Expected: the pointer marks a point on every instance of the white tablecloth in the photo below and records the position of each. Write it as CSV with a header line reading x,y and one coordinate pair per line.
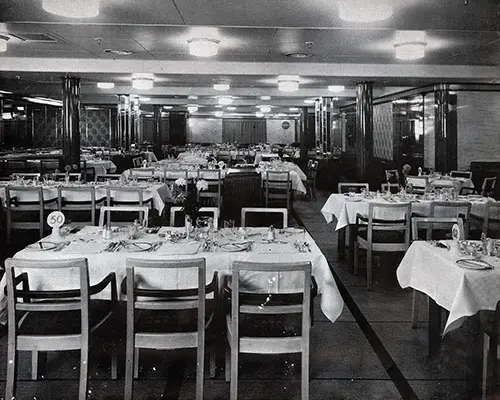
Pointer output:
x,y
88,243
172,173
463,292
445,181
345,208
102,167
158,192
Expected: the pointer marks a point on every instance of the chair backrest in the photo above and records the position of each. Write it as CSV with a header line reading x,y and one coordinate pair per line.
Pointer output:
x,y
390,187
346,187
49,165
312,169
26,197
83,199
107,177
74,297
214,181
142,172
264,210
26,175
214,211
134,194
392,176
272,288
461,174
73,176
137,161
430,224
278,180
488,186
171,175
452,209
419,184
389,217
491,218
143,213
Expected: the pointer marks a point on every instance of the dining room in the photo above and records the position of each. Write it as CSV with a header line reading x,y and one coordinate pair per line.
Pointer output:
x,y
222,200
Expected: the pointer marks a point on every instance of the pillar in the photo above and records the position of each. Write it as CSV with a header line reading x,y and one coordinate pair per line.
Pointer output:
x,y
123,122
364,129
323,121
303,132
445,131
71,120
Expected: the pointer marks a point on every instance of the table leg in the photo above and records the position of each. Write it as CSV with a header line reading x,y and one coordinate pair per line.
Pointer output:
x,y
352,238
474,350
434,327
341,243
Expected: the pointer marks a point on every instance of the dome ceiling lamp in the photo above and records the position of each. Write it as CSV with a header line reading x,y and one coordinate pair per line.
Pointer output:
x,y
410,45
265,108
72,8
225,100
288,83
192,108
143,81
364,10
3,43
203,46
336,88
105,85
221,87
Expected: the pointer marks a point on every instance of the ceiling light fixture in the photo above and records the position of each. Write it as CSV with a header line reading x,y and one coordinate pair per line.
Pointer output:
x,y
225,100
44,100
259,114
105,85
309,101
288,83
167,107
142,81
336,88
221,86
72,8
364,10
192,108
265,97
3,43
410,45
231,108
144,98
203,47
192,97
219,114
265,109
294,109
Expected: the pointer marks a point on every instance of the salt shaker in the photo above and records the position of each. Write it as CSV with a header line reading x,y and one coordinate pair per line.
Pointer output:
x,y
271,234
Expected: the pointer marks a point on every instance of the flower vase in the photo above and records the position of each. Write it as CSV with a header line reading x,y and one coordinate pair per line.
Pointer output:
x,y
189,226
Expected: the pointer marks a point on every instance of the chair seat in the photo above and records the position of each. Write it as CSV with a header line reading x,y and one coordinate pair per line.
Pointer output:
x,y
264,326
63,322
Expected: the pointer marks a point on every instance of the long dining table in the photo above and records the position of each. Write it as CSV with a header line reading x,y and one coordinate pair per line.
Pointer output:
x,y
248,244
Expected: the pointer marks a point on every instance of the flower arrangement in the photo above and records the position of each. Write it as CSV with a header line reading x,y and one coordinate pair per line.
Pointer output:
x,y
188,198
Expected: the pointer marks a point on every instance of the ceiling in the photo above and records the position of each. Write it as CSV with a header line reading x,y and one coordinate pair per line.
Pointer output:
x,y
462,36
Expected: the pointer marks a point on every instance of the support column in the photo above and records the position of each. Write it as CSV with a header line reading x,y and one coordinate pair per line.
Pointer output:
x,y
304,130
71,120
364,129
123,122
323,118
446,131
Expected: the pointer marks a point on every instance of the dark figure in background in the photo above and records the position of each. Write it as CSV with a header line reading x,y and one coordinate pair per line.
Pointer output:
x,y
406,170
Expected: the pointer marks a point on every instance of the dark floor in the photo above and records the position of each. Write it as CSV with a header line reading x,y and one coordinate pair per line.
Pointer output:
x,y
370,352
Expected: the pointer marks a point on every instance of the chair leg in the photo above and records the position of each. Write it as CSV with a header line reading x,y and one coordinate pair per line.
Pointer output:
x,y
200,367
212,362
414,309
129,369
369,262
234,374
227,363
136,363
356,256
114,364
84,371
10,384
305,374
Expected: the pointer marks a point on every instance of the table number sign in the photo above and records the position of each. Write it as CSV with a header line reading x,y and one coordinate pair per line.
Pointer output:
x,y
55,220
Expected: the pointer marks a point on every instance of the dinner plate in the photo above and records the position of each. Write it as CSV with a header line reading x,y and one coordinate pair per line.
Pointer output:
x,y
234,247
137,246
354,199
42,246
474,264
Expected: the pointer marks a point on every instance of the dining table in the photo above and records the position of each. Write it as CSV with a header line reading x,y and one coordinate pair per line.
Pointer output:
x,y
461,283
445,181
219,248
297,176
343,207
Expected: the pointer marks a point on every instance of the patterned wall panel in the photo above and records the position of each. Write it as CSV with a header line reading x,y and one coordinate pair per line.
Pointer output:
x,y
429,131
47,127
478,121
204,130
277,134
95,127
383,136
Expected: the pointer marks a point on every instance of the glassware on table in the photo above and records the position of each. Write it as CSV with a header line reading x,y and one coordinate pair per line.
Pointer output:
x,y
229,223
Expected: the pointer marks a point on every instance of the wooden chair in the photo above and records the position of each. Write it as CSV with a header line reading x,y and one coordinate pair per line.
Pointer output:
x,y
390,187
461,174
392,176
312,172
81,198
214,211
386,228
270,302
452,209
48,165
419,184
170,176
28,329
213,195
146,303
73,177
107,177
137,162
430,226
488,186
142,212
346,187
489,221
277,188
88,173
127,195
266,211
25,208
34,176
143,174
